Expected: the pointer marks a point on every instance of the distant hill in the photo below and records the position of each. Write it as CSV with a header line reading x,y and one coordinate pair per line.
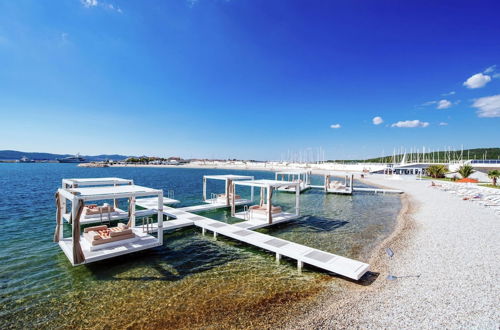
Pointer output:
x,y
479,153
14,155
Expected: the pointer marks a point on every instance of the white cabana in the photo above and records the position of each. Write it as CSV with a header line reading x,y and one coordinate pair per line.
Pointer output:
x,y
338,187
265,213
303,177
226,198
75,183
101,242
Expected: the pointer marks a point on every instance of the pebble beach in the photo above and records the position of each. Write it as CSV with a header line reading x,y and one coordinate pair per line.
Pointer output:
x,y
446,263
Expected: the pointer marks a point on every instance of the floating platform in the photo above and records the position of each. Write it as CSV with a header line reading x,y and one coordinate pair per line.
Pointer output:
x,y
377,190
257,220
142,242
152,202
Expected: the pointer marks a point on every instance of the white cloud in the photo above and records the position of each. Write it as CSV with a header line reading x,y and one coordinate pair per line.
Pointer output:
x,y
477,81
444,104
377,120
490,69
488,107
496,75
95,3
335,126
89,3
410,123
443,124
448,94
429,103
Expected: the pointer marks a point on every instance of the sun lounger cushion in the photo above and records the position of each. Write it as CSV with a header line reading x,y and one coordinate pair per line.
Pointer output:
x,y
115,233
122,226
95,228
112,239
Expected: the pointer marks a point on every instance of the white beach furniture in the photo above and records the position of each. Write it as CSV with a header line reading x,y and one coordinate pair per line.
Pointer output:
x,y
303,177
77,249
265,213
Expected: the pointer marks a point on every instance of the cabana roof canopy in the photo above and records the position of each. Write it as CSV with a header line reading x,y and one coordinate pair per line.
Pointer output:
x,y
228,177
95,191
96,181
266,183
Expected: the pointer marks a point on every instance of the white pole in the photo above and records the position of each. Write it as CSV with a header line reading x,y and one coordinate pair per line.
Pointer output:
x,y
160,217
132,213
204,188
297,200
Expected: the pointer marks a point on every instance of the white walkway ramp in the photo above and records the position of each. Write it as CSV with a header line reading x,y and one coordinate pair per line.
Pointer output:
x,y
242,232
213,205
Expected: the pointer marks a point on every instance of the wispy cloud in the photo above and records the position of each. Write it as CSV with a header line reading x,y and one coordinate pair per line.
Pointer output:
x,y
64,37
444,104
335,126
443,124
490,69
377,120
89,3
477,81
105,5
488,107
449,94
410,124
425,104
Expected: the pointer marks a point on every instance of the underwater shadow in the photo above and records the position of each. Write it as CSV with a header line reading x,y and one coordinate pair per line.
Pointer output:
x,y
310,224
178,258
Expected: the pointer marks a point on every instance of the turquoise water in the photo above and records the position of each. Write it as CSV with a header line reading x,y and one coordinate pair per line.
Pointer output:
x,y
39,287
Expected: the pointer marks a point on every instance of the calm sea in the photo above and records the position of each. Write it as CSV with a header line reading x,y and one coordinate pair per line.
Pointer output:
x,y
191,281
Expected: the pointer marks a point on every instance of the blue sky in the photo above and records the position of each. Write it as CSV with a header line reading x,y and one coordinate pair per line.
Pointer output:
x,y
248,79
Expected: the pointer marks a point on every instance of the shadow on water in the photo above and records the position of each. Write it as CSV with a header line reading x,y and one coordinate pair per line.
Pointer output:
x,y
182,254
308,224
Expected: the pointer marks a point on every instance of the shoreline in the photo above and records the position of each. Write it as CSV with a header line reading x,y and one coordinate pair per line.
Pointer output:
x,y
313,316
436,262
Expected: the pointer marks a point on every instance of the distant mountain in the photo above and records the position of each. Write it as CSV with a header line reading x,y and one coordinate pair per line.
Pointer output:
x,y
14,155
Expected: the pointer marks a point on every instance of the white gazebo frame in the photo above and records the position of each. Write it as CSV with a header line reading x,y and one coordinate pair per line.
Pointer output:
x,y
88,194
303,177
268,219
346,189
228,179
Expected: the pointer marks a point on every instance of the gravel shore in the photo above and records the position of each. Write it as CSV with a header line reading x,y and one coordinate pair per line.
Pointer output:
x,y
452,244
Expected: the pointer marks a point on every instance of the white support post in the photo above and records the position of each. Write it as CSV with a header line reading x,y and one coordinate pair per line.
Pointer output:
x,y
203,230
252,193
74,207
160,217
269,205
300,265
204,189
132,213
215,235
297,201
278,258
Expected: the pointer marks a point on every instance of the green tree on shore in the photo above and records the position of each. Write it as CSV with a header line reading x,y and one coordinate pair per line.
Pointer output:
x,y
494,175
437,171
465,171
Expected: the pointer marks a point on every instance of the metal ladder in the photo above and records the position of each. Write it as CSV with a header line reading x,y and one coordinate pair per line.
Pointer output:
x,y
246,212
146,222
171,194
213,198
